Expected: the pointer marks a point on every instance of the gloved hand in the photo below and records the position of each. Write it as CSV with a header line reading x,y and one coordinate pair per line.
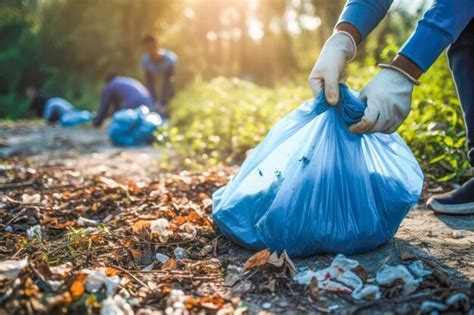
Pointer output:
x,y
338,50
388,98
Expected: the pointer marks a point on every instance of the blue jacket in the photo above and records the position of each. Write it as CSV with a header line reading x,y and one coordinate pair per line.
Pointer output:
x,y
123,92
153,69
440,26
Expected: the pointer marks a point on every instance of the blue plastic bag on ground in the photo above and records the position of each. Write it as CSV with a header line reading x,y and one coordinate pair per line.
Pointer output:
x,y
75,118
133,127
314,187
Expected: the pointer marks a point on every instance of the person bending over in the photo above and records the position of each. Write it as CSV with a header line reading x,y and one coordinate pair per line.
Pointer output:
x,y
122,92
50,108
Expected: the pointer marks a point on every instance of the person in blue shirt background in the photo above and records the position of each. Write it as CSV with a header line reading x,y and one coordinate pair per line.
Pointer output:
x,y
42,105
158,62
448,23
122,92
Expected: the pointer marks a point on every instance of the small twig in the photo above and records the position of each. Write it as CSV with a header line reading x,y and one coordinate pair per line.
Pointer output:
x,y
16,216
402,299
39,206
345,298
16,185
131,275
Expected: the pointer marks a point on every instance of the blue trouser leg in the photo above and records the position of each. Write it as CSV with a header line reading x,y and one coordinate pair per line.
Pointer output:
x,y
461,62
167,90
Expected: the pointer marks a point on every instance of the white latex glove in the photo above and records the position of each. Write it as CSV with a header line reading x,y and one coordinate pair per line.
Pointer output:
x,y
329,69
388,98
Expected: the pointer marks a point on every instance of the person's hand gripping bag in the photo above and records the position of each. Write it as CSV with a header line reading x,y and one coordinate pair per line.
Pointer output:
x,y
314,187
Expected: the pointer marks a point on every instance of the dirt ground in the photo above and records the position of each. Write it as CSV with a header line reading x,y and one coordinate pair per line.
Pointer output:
x,y
443,242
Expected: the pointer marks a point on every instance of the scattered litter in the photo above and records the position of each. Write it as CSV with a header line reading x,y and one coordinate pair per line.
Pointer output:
x,y
97,279
180,253
162,258
148,267
54,284
368,292
160,226
458,234
431,306
87,222
459,302
189,229
267,305
116,306
9,269
390,274
175,302
338,277
9,229
31,199
418,269
34,232
94,281
333,307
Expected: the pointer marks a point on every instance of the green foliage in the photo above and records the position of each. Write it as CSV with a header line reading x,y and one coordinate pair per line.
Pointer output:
x,y
217,122
435,128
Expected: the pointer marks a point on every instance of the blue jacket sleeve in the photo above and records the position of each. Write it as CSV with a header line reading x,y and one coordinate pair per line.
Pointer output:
x,y
441,26
105,101
364,15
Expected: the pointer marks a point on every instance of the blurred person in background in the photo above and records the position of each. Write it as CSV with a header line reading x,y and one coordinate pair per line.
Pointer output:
x,y
122,92
42,105
159,63
448,23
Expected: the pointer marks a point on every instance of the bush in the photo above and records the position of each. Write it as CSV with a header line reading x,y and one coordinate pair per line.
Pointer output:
x,y
217,122
434,130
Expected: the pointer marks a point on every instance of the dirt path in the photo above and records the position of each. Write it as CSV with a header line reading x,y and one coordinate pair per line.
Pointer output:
x,y
446,242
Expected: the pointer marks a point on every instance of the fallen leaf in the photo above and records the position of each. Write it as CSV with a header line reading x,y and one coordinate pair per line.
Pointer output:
x,y
78,286
276,260
361,272
140,225
203,196
136,254
257,260
290,264
111,271
406,255
169,264
313,289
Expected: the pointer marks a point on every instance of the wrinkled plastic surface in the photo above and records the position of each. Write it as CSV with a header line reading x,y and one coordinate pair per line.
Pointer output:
x,y
133,127
339,277
75,118
314,187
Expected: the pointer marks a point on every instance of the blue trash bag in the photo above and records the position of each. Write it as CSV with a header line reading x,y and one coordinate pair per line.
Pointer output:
x,y
133,127
75,118
314,187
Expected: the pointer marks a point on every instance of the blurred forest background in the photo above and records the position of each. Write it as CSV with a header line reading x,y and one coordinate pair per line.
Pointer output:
x,y
243,64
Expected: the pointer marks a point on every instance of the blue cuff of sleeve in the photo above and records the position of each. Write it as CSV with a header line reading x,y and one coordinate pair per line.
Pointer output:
x,y
425,45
